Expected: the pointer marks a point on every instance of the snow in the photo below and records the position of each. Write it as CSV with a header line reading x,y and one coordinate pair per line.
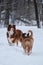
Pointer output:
x,y
13,55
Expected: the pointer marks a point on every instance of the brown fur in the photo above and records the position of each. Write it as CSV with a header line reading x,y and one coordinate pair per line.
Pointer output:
x,y
17,34
25,39
27,43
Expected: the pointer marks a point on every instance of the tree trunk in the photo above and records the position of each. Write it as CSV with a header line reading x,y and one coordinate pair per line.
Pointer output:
x,y
36,13
7,17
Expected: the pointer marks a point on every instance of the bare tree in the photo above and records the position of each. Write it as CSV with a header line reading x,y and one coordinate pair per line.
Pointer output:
x,y
7,9
36,13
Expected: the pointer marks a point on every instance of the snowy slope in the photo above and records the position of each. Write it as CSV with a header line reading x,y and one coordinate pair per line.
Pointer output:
x,y
12,55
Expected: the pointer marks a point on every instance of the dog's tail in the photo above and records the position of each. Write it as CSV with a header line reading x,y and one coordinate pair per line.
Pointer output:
x,y
30,33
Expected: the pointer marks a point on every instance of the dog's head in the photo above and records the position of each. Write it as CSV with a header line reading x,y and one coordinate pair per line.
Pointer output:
x,y
11,29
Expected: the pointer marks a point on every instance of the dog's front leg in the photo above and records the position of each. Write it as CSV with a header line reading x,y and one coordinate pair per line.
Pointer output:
x,y
17,42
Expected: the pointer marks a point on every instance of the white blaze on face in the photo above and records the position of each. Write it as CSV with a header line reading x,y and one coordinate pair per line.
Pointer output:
x,y
11,32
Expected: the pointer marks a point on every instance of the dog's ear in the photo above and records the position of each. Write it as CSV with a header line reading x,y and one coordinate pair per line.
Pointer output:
x,y
9,26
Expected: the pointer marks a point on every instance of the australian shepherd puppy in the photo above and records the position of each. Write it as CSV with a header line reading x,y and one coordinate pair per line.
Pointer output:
x,y
13,34
27,42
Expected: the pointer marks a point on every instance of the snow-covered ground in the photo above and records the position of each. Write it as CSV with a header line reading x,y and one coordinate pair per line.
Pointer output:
x,y
12,55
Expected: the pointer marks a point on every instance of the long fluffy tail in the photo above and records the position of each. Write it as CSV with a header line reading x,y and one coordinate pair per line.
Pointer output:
x,y
30,33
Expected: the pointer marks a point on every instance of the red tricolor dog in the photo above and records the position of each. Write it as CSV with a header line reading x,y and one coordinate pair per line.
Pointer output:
x,y
13,35
27,42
